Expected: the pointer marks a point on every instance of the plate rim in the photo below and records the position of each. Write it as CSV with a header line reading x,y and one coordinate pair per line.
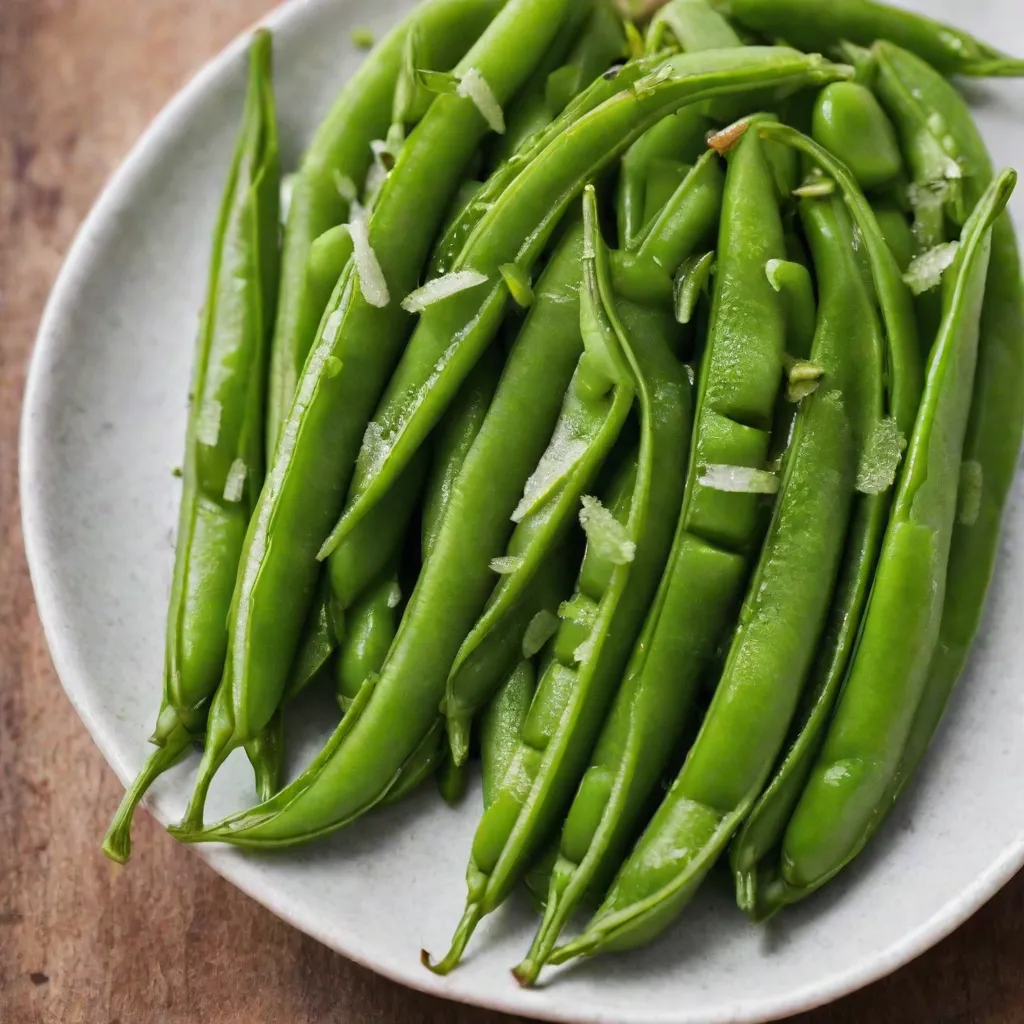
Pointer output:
x,y
102,218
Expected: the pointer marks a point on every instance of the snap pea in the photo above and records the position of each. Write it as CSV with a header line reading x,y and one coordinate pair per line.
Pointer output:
x,y
896,232
850,122
861,756
847,314
370,631
814,26
433,366
996,422
319,641
223,465
340,151
613,594
501,726
706,574
769,658
349,778
341,381
664,178
454,438
593,414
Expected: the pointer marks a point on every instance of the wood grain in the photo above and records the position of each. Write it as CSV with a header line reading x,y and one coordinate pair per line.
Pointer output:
x,y
166,941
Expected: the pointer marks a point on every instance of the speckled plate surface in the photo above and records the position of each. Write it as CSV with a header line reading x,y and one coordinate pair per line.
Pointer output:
x,y
103,427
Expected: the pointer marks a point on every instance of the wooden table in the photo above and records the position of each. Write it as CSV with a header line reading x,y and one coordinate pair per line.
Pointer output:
x,y
167,941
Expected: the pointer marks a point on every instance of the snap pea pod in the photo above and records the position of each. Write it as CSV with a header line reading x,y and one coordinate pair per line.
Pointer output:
x,y
342,380
769,658
433,366
847,312
994,429
363,760
555,315
340,151
613,593
454,438
821,27
903,355
868,734
223,465
370,631
594,412
501,726
599,91
705,576
585,50
665,177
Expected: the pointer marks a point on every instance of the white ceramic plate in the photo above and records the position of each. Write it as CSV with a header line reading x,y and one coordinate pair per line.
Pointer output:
x,y
103,427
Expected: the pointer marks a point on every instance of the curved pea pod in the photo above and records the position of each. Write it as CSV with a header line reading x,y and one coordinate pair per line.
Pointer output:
x,y
341,382
223,464
365,759
848,317
993,442
703,582
814,26
340,153
454,438
596,405
370,631
434,365
627,546
768,661
860,760
896,231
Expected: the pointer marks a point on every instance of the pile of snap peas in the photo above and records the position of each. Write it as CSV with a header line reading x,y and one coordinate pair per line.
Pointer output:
x,y
629,403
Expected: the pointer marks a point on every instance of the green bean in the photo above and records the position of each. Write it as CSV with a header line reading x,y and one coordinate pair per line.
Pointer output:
x,y
433,367
223,466
814,26
705,575
340,152
847,313
569,707
342,379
